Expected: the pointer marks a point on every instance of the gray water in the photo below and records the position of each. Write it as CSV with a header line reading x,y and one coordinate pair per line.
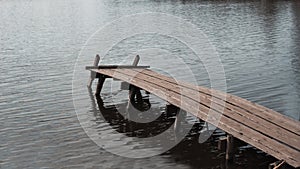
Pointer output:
x,y
40,40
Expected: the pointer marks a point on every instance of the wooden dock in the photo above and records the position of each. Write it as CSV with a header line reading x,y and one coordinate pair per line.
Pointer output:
x,y
263,128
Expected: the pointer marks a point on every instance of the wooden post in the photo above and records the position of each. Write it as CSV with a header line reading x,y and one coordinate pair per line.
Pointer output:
x,y
93,74
230,148
101,78
136,60
133,90
222,144
134,93
179,117
100,84
125,85
171,110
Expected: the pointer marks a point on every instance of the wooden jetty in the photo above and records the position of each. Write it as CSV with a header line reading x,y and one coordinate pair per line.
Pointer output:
x,y
263,128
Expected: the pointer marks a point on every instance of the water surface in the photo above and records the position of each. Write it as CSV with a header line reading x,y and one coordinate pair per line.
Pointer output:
x,y
257,41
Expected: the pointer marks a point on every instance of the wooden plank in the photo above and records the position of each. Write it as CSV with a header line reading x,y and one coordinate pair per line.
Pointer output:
x,y
280,133
258,110
228,125
279,147
244,117
116,67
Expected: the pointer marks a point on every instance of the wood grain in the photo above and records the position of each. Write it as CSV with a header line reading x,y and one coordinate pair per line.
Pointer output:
x,y
259,126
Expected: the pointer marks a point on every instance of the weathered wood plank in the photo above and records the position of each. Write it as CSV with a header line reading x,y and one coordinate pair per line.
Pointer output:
x,y
258,110
243,116
229,125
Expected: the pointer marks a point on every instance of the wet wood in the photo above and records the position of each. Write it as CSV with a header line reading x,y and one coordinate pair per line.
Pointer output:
x,y
230,148
116,67
255,109
171,110
261,127
222,144
135,92
245,117
101,81
136,60
93,74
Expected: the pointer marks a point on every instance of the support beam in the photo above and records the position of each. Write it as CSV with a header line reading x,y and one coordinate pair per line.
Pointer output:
x,y
136,60
125,85
171,110
116,67
222,144
180,116
100,84
133,90
135,63
93,74
230,148
137,91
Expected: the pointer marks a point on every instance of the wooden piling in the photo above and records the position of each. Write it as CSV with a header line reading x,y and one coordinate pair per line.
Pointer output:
x,y
133,90
101,77
230,148
171,110
136,60
93,74
222,144
180,116
100,84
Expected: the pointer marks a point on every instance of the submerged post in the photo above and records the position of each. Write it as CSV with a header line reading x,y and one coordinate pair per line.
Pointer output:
x,y
93,74
179,117
230,148
133,90
222,144
101,78
101,81
135,63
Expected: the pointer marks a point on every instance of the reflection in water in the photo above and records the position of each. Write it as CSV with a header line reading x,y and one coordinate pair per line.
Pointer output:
x,y
189,151
258,43
129,127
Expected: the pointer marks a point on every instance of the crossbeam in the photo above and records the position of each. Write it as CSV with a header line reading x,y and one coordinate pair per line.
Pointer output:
x,y
116,67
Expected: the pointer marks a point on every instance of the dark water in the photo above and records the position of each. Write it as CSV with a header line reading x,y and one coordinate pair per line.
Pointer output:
x,y
258,43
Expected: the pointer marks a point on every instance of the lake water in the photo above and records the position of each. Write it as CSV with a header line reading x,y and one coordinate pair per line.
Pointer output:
x,y
258,43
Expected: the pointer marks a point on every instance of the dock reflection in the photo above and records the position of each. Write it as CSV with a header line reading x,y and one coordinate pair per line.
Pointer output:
x,y
189,151
124,125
